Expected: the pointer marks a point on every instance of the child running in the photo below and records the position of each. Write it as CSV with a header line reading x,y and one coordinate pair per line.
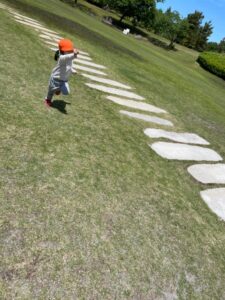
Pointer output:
x,y
60,74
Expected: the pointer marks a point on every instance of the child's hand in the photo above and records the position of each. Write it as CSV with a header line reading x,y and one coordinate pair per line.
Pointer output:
x,y
76,52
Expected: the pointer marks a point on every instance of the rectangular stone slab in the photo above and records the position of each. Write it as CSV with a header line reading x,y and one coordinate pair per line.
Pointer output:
x,y
45,36
208,173
40,28
106,81
114,91
28,21
215,199
25,18
147,118
176,151
89,64
89,70
136,105
183,137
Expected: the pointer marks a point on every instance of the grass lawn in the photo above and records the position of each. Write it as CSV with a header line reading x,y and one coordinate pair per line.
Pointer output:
x,y
87,210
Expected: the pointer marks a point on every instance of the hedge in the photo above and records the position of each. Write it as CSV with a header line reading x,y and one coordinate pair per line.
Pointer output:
x,y
213,62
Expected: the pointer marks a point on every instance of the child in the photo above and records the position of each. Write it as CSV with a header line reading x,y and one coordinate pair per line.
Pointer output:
x,y
60,74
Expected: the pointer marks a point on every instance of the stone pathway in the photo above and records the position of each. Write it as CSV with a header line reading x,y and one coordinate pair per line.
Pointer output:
x,y
208,173
180,150
147,118
176,151
180,137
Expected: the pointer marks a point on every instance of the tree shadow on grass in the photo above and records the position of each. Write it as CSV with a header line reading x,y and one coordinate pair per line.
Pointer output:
x,y
139,33
60,105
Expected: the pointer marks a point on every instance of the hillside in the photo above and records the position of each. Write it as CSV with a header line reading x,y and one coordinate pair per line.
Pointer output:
x,y
88,209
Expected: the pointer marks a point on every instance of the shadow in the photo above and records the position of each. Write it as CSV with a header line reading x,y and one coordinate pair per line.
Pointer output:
x,y
138,33
74,28
60,105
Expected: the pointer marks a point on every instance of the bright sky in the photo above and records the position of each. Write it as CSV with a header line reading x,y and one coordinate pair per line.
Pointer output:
x,y
213,10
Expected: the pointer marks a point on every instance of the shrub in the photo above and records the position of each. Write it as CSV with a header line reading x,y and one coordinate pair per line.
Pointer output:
x,y
213,62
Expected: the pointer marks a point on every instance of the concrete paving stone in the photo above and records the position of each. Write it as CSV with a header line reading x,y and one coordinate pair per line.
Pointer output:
x,y
188,138
114,91
208,173
84,53
84,57
136,104
53,49
27,21
47,37
39,28
55,44
147,118
215,199
176,151
52,35
25,18
106,81
89,64
86,69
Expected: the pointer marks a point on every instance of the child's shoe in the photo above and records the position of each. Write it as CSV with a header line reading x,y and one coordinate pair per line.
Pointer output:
x,y
48,102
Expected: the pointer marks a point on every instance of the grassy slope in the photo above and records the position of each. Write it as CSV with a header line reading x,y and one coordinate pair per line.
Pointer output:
x,y
88,210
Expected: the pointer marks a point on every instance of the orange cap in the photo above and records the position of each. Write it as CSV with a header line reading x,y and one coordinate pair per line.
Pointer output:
x,y
65,45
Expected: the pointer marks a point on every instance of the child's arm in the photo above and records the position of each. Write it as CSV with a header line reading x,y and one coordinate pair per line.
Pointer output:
x,y
69,56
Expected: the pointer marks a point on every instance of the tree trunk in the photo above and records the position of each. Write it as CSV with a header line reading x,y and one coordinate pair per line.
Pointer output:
x,y
122,17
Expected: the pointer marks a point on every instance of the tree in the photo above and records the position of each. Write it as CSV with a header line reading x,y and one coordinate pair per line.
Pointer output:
x,y
197,34
204,32
194,20
212,46
221,46
137,10
170,25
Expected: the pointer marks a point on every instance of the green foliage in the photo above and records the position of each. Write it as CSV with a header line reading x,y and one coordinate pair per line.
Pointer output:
x,y
216,47
140,11
213,62
197,34
170,25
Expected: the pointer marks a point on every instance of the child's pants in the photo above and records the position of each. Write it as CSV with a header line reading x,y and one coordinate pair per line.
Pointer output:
x,y
56,85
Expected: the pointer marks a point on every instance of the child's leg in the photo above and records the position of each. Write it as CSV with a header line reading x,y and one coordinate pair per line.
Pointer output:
x,y
65,89
54,86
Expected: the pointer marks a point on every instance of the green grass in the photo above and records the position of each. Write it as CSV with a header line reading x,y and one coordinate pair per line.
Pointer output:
x,y
88,211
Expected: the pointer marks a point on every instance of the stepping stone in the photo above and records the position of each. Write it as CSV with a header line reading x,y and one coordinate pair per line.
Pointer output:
x,y
136,105
37,27
147,118
86,69
176,151
3,6
25,18
91,64
114,91
53,49
47,37
84,53
55,44
106,81
188,138
52,35
27,21
215,199
28,24
208,173
84,57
